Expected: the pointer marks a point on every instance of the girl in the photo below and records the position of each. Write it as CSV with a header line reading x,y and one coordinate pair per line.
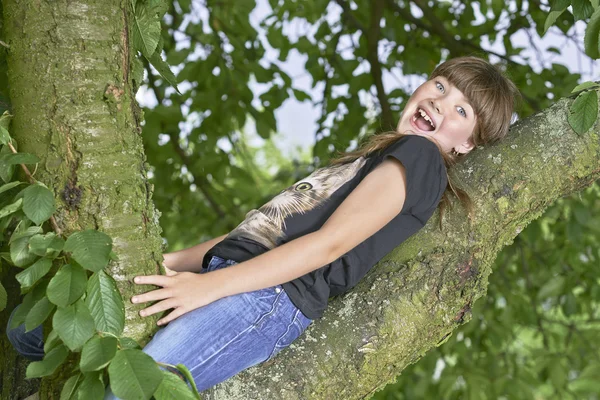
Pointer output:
x,y
241,298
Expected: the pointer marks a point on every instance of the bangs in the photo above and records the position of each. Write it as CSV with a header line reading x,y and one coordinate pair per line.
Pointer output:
x,y
487,91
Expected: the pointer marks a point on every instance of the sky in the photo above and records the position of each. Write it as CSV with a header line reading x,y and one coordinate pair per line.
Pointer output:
x,y
296,120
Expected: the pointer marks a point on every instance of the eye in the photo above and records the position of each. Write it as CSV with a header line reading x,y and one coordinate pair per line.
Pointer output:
x,y
440,86
303,186
461,111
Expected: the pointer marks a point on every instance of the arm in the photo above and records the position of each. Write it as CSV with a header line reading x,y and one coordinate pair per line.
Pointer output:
x,y
372,204
369,207
188,259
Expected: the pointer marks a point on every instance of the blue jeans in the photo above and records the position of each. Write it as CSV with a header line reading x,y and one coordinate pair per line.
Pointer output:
x,y
216,341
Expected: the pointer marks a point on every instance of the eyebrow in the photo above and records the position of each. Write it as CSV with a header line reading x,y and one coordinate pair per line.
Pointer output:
x,y
464,99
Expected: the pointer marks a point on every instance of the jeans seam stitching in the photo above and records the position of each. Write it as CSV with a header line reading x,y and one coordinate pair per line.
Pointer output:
x,y
285,333
254,324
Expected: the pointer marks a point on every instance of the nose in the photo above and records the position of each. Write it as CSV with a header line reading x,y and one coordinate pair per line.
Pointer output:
x,y
435,106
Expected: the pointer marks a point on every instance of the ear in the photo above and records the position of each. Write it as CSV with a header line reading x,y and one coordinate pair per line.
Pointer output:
x,y
465,147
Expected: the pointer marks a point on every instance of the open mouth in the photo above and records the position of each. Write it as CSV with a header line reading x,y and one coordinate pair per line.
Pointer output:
x,y
422,120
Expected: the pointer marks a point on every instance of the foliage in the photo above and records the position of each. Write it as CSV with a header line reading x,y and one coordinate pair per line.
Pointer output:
x,y
535,324
63,279
533,335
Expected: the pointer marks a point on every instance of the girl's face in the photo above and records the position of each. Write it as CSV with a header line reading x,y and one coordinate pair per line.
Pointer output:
x,y
439,111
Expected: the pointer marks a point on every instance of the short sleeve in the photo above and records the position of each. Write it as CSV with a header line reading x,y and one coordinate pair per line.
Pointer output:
x,y
426,177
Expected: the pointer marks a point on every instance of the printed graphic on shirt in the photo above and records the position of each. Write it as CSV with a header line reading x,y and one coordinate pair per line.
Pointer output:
x,y
267,224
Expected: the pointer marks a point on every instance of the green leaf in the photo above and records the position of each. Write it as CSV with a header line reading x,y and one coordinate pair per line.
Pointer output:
x,y
51,341
134,374
30,275
164,70
584,112
553,287
585,85
158,7
146,30
38,314
17,158
6,171
551,19
560,4
67,285
129,343
591,37
173,387
26,305
74,325
90,248
20,254
188,375
5,119
68,390
48,245
3,297
595,4
4,135
105,304
301,95
23,231
582,9
38,203
11,208
9,186
48,365
97,353
137,71
92,387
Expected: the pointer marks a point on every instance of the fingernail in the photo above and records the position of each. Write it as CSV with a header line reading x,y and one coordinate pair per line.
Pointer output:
x,y
134,300
142,314
136,279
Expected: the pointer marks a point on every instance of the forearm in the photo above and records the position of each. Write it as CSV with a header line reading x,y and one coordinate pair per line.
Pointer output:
x,y
190,259
279,265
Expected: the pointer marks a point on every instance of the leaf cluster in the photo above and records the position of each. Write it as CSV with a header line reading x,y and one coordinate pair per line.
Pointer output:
x,y
63,279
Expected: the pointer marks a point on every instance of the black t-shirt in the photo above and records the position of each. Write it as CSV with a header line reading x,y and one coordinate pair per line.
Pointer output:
x,y
306,205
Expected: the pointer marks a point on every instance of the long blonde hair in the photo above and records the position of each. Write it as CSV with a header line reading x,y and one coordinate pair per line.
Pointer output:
x,y
492,96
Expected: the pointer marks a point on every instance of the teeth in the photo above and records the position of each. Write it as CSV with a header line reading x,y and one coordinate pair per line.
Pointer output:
x,y
426,117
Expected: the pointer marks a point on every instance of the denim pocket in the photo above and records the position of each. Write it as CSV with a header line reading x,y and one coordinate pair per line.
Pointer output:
x,y
218,263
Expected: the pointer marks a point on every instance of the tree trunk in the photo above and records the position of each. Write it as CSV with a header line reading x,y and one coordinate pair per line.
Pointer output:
x,y
74,108
416,296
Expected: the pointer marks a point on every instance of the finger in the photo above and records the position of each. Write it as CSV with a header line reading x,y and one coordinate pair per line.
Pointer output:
x,y
158,307
176,313
158,280
158,294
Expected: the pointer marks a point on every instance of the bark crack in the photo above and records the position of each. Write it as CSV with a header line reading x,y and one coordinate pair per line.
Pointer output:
x,y
125,44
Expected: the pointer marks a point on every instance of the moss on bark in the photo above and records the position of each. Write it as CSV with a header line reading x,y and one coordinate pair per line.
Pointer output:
x,y
413,299
73,106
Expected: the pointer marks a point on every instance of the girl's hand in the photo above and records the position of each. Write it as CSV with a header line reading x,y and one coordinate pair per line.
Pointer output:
x,y
183,291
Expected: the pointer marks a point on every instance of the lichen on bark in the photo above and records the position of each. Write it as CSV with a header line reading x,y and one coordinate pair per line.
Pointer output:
x,y
414,298
74,108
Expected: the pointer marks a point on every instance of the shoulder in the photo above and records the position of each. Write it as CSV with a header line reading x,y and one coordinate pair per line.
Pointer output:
x,y
426,176
415,143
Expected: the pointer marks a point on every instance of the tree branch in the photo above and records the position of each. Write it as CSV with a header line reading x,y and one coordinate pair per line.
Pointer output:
x,y
425,288
373,35
457,47
201,182
347,14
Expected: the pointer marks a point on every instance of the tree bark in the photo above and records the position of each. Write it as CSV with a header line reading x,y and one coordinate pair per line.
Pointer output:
x,y
73,107
413,299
